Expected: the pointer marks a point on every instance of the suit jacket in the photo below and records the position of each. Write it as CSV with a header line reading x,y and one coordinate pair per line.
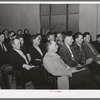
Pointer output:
x,y
78,77
56,67
65,55
3,57
7,44
96,44
79,54
59,46
88,52
34,74
36,58
16,60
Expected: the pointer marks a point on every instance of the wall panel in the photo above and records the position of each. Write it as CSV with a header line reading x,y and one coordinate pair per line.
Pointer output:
x,y
88,19
73,22
98,22
21,16
58,23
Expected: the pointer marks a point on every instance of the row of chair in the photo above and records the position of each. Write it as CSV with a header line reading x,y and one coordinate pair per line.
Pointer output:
x,y
50,80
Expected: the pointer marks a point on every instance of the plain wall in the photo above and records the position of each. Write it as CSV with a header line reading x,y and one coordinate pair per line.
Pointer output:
x,y
98,21
20,16
88,19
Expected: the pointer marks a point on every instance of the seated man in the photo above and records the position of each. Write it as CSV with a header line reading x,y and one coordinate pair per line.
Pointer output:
x,y
81,79
35,50
50,36
79,54
3,62
20,63
91,53
55,66
3,51
59,40
89,50
96,43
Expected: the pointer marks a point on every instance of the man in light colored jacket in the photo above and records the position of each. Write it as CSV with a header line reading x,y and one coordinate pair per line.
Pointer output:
x,y
55,66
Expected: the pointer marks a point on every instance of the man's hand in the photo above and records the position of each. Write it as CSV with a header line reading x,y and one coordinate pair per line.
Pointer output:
x,y
79,65
89,61
73,69
28,67
98,56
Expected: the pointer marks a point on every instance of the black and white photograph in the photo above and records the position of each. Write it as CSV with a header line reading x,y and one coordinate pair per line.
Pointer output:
x,y
51,47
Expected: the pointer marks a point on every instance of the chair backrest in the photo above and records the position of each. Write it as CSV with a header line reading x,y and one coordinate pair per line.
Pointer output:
x,y
19,80
6,70
51,80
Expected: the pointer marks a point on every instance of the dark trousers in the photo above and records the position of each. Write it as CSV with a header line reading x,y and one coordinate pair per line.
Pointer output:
x,y
36,75
95,68
81,80
6,70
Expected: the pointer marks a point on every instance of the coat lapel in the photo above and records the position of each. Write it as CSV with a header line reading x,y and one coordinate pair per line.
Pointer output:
x,y
67,50
37,52
18,55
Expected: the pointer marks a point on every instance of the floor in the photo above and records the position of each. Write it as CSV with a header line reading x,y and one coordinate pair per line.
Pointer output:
x,y
12,84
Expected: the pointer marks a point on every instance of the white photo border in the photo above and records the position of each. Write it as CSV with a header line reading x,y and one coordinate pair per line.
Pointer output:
x,y
5,93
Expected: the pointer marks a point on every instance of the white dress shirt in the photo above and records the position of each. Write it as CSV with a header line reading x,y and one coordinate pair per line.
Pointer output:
x,y
70,51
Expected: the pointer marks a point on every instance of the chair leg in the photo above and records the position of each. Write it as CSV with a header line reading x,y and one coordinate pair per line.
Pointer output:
x,y
1,82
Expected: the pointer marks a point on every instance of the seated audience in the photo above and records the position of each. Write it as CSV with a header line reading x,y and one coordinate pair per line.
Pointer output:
x,y
55,66
3,51
12,35
89,50
35,51
4,64
50,36
7,39
27,39
23,48
91,53
79,54
20,63
82,78
96,43
59,40
6,33
19,32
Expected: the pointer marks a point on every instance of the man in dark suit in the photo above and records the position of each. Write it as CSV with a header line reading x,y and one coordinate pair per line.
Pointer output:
x,y
7,39
35,50
59,40
91,53
3,51
96,43
89,50
79,54
81,79
20,63
5,68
